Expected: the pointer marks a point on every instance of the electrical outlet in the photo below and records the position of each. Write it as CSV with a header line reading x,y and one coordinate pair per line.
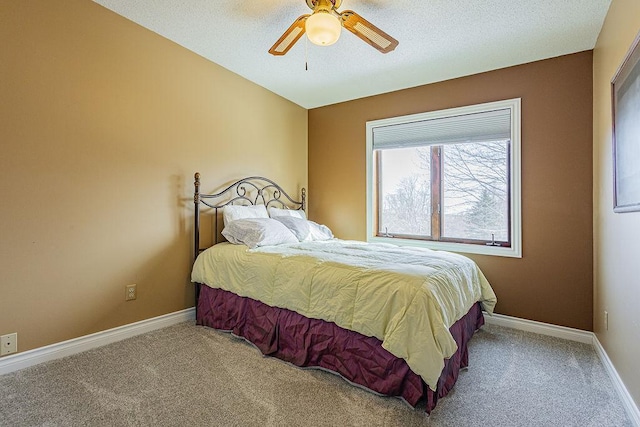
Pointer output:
x,y
8,344
131,292
606,320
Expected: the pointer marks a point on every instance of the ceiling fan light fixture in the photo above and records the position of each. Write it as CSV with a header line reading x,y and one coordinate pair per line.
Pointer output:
x,y
324,25
323,28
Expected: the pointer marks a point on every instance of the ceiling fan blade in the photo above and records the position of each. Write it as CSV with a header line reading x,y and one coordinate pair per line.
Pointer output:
x,y
368,32
290,37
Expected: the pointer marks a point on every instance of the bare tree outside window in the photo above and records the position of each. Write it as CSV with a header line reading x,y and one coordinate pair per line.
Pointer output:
x,y
475,195
406,193
407,210
474,187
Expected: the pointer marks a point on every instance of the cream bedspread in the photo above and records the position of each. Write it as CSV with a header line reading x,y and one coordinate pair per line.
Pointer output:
x,y
406,297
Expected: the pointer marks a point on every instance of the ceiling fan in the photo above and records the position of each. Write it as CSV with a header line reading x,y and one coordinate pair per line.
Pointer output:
x,y
324,25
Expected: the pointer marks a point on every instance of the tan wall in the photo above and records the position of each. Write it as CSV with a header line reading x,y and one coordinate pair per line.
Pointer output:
x,y
616,235
102,125
553,281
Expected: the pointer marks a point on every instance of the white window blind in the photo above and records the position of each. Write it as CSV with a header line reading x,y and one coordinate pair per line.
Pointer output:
x,y
494,125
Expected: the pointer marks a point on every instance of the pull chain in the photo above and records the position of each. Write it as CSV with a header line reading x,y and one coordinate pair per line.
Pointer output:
x,y
306,53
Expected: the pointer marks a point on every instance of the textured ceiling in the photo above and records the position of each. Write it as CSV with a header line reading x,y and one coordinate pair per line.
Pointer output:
x,y
439,40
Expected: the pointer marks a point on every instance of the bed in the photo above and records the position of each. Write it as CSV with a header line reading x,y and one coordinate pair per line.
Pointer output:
x,y
394,320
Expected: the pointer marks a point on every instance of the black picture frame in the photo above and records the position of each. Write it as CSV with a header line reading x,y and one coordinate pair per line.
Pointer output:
x,y
625,92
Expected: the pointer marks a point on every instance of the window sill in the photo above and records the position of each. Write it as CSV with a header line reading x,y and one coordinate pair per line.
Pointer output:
x,y
512,252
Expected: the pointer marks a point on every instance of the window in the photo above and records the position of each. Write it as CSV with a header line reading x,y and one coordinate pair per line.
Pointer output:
x,y
447,179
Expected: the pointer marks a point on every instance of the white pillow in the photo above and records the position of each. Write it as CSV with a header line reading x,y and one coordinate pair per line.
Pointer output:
x,y
298,226
320,232
275,212
233,212
255,232
305,230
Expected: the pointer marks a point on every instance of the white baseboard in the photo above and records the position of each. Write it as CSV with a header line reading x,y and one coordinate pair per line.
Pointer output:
x,y
627,400
77,345
572,334
541,328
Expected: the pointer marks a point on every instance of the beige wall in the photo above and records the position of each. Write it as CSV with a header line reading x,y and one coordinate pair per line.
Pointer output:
x,y
102,125
616,235
553,281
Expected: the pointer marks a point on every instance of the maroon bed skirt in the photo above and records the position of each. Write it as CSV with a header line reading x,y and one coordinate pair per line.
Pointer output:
x,y
305,342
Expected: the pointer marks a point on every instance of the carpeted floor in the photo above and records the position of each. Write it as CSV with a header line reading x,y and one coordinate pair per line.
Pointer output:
x,y
189,375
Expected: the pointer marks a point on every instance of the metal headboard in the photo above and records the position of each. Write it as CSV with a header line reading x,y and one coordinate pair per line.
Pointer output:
x,y
252,190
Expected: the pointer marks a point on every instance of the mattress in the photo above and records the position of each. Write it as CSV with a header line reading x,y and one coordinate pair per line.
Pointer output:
x,y
408,298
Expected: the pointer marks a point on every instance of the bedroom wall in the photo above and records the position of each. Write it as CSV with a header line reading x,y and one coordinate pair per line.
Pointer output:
x,y
102,126
553,281
616,235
